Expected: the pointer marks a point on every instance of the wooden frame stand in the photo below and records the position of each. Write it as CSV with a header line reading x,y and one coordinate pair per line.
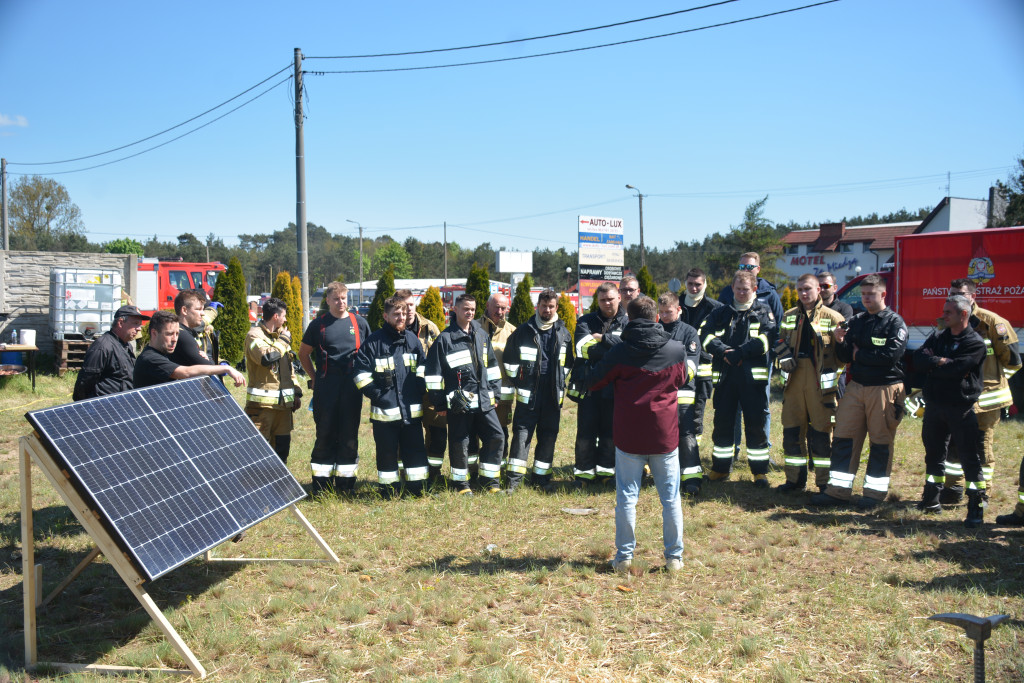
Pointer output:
x,y
30,449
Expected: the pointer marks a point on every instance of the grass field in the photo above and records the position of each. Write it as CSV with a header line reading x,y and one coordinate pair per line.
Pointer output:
x,y
771,589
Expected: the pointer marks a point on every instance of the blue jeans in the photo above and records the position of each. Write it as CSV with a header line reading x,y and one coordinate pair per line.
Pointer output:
x,y
629,470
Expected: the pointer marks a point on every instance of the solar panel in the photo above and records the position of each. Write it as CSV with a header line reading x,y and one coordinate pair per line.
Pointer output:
x,y
174,469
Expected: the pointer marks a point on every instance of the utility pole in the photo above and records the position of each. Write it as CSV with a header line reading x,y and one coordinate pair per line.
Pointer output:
x,y
3,196
446,253
360,226
300,192
643,255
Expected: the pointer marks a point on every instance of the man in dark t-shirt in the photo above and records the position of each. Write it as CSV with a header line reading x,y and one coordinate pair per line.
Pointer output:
x,y
155,364
330,343
189,304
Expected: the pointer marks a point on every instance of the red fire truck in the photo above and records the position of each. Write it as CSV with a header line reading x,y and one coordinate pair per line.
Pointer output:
x,y
159,281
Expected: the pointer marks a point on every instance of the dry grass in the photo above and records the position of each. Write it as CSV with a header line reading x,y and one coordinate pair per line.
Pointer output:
x,y
771,590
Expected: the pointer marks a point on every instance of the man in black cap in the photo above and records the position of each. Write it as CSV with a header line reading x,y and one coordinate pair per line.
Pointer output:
x,y
110,362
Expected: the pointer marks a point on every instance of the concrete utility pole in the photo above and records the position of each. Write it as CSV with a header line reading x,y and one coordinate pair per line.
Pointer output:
x,y
360,226
446,253
300,192
643,255
3,196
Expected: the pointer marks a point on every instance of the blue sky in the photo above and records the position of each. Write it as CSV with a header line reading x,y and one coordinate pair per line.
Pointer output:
x,y
842,109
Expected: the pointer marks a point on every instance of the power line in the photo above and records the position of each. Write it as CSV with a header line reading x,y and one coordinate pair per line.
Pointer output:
x,y
167,142
524,40
577,49
154,135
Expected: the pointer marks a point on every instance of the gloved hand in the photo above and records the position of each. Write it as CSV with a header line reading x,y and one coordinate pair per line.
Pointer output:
x,y
787,364
296,404
733,357
286,337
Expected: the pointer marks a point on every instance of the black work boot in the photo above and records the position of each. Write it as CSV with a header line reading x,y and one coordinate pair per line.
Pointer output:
x,y
794,486
930,498
977,501
321,486
951,495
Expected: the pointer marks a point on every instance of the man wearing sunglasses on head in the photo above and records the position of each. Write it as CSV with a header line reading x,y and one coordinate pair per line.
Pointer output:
x,y
766,295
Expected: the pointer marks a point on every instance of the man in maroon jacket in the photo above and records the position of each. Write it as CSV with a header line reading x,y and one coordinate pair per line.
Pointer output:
x,y
647,369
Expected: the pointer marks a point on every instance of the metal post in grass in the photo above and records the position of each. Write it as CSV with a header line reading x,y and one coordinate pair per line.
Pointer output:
x,y
978,629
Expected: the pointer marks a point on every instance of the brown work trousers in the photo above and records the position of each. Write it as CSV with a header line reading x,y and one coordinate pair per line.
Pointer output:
x,y
803,407
865,411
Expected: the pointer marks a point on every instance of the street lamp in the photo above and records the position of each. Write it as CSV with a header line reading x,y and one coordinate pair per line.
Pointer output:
x,y
568,274
643,256
360,257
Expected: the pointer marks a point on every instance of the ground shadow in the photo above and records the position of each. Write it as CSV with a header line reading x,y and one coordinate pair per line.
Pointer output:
x,y
497,563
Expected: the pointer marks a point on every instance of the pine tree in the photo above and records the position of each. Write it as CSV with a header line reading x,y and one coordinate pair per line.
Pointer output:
x,y
432,308
385,290
522,306
647,284
295,314
478,285
233,321
282,289
567,313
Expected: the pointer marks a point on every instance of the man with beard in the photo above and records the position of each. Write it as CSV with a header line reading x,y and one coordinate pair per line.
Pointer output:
x,y
538,356
390,370
110,363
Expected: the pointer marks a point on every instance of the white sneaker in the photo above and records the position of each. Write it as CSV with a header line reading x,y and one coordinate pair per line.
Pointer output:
x,y
674,565
622,566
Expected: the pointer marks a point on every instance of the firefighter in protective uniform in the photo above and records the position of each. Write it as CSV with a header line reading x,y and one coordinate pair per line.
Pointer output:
x,y
390,369
810,371
696,305
691,474
737,337
463,381
1002,360
873,404
950,361
271,396
435,429
596,333
495,323
538,356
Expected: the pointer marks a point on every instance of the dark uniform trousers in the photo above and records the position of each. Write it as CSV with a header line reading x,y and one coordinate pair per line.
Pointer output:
x,y
435,436
957,423
691,426
738,391
392,439
337,405
488,428
595,450
542,417
875,412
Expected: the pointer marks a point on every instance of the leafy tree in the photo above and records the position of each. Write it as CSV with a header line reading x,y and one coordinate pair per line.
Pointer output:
x,y
567,313
789,297
233,321
756,233
385,290
124,245
522,305
394,255
478,284
43,217
647,284
296,314
432,308
1013,193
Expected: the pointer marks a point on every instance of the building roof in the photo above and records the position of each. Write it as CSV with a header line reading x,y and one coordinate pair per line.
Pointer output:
x,y
830,235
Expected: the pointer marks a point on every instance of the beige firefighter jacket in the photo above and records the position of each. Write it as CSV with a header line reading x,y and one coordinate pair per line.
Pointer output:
x,y
270,385
824,322
1002,359
499,336
427,332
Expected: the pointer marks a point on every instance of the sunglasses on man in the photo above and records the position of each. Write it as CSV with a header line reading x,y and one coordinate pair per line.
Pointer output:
x,y
747,266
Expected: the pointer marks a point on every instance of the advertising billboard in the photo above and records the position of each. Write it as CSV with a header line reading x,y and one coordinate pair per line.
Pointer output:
x,y
602,253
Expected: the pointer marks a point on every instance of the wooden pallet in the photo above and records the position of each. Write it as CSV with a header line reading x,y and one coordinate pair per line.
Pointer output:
x,y
69,355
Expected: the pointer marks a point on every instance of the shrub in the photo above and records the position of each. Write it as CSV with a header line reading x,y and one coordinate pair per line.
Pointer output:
x,y
233,321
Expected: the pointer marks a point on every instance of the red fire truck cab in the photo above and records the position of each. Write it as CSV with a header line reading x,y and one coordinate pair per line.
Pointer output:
x,y
160,281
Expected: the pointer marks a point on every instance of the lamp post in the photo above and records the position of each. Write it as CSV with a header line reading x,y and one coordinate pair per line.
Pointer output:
x,y
360,225
568,274
643,256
